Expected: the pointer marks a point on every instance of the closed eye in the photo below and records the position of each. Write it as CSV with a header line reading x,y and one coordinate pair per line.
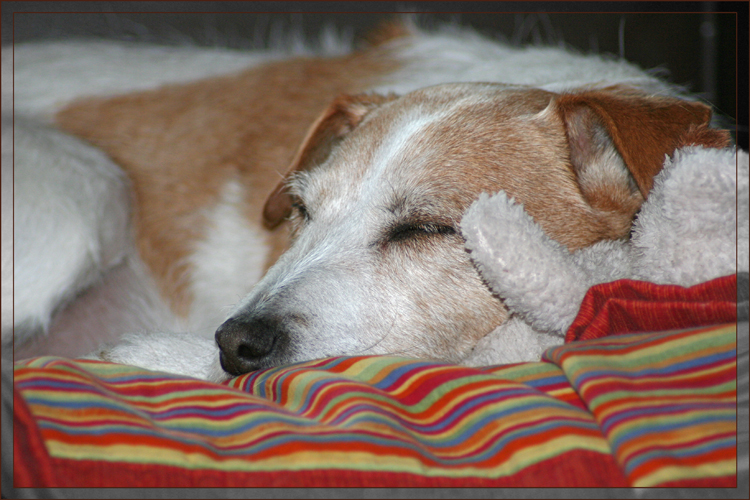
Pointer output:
x,y
412,231
301,210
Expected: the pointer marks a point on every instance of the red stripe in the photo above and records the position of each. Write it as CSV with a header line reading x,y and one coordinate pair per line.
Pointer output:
x,y
32,465
579,468
679,446
650,466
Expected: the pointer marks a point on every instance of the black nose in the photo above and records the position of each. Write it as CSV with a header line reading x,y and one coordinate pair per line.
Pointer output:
x,y
246,341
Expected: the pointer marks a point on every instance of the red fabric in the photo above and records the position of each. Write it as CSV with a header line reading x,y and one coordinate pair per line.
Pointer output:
x,y
619,307
628,306
574,469
32,466
706,482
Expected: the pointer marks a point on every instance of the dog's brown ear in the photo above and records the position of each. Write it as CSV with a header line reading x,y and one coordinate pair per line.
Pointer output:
x,y
642,129
341,117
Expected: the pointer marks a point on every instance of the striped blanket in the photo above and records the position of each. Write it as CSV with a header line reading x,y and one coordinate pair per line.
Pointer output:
x,y
641,409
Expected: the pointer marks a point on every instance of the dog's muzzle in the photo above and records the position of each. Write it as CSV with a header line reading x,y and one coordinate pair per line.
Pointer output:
x,y
248,343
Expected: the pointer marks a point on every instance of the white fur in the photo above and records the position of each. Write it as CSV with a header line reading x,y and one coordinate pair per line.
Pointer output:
x,y
461,55
227,262
179,353
81,243
48,75
71,215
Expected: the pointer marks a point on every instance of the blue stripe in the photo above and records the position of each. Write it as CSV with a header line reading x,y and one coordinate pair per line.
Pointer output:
x,y
656,427
681,452
650,371
667,411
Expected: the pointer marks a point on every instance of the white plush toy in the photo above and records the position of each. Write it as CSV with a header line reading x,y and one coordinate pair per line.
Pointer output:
x,y
692,228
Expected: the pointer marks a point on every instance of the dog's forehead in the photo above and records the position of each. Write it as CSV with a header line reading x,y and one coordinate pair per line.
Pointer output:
x,y
428,145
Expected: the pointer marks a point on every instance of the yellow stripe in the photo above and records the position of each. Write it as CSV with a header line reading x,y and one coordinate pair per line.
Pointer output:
x,y
675,472
316,460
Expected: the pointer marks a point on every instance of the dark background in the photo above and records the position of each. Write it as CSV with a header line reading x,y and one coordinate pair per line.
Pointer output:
x,y
694,43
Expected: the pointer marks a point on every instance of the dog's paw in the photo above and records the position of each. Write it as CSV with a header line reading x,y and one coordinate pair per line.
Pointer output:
x,y
177,353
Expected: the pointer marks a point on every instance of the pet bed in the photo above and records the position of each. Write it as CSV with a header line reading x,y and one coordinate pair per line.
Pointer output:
x,y
656,408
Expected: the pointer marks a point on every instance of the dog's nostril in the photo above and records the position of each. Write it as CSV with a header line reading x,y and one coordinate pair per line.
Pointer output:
x,y
253,350
245,341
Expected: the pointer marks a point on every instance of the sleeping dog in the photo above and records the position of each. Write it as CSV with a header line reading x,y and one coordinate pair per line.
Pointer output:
x,y
212,212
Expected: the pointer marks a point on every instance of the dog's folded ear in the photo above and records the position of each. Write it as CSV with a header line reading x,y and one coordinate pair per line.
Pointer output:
x,y
342,116
617,128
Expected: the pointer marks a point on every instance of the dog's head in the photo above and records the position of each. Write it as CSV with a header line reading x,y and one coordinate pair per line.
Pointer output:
x,y
377,190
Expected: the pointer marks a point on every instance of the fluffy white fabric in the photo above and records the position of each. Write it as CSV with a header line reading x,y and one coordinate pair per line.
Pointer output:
x,y
692,228
686,232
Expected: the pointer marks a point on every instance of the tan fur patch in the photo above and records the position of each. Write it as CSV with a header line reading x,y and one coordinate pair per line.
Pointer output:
x,y
180,143
643,128
701,135
386,32
341,117
502,147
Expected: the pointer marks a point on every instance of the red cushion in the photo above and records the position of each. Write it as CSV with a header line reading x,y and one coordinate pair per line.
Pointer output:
x,y
628,306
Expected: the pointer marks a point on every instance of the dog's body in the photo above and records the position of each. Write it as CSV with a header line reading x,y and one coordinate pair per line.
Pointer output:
x,y
378,188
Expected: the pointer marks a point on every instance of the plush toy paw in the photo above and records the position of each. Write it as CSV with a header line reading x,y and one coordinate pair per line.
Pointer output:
x,y
513,341
533,274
